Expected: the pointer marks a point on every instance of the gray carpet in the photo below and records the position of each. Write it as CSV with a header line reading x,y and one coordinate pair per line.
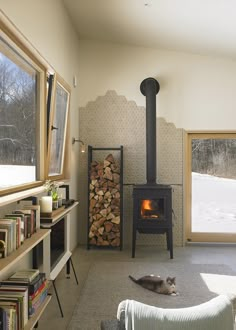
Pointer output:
x,y
107,284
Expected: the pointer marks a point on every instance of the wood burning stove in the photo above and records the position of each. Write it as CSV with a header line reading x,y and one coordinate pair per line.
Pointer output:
x,y
152,212
152,207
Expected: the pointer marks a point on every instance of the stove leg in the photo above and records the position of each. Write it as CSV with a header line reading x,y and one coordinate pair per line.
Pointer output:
x,y
169,238
133,242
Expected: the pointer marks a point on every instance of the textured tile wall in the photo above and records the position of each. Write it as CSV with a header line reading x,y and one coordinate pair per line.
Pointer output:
x,y
110,121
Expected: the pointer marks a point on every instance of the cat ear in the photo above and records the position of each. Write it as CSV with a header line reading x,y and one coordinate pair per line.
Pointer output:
x,y
170,279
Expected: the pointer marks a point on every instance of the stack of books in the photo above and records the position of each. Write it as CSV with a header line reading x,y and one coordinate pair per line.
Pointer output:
x,y
20,297
18,226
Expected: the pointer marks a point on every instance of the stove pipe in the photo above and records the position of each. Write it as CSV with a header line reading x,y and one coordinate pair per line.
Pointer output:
x,y
149,87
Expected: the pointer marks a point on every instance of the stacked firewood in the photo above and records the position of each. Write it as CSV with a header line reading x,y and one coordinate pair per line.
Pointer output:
x,y
104,203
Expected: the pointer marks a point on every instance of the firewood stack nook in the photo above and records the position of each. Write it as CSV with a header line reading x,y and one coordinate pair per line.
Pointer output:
x,y
105,203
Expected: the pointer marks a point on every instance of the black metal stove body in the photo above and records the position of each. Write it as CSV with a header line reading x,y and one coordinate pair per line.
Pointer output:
x,y
152,205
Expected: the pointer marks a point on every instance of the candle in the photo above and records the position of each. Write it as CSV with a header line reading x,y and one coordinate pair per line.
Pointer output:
x,y
46,204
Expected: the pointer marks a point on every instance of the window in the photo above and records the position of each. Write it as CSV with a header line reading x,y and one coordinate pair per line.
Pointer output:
x,y
211,187
21,109
58,128
32,142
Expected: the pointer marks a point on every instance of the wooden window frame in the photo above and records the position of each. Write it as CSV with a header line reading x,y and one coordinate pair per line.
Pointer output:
x,y
195,236
31,55
11,36
57,80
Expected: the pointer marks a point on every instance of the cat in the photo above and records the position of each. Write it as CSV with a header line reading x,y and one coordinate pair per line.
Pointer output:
x,y
157,284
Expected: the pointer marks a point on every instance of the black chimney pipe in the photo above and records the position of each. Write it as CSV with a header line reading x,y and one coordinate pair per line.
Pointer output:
x,y
149,87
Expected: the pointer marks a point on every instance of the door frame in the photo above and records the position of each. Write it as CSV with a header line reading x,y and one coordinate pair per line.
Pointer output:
x,y
198,236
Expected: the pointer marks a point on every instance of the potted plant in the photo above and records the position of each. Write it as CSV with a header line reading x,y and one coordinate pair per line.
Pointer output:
x,y
52,189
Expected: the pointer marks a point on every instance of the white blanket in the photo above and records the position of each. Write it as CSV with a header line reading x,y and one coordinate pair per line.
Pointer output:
x,y
215,314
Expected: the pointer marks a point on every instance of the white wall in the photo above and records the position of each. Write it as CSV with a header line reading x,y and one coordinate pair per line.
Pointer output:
x,y
197,92
46,25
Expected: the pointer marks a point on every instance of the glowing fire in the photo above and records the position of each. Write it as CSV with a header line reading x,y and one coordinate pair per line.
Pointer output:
x,y
146,204
146,209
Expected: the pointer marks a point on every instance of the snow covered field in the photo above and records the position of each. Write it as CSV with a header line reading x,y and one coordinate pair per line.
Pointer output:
x,y
213,204
13,175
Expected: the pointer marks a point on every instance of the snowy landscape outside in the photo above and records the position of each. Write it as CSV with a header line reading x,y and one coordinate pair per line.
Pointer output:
x,y
213,204
13,175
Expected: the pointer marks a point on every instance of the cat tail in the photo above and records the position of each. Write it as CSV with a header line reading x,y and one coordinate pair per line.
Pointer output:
x,y
133,279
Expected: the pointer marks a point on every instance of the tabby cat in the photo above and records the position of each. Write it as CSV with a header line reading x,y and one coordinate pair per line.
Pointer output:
x,y
157,284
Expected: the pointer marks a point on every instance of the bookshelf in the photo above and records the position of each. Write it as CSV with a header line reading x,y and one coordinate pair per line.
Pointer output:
x,y
41,241
42,235
54,268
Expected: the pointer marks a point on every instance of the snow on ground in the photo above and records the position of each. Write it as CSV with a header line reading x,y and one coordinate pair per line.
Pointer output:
x,y
213,204
12,175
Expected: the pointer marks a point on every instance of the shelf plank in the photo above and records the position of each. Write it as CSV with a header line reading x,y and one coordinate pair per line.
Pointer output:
x,y
8,199
26,247
52,221
34,319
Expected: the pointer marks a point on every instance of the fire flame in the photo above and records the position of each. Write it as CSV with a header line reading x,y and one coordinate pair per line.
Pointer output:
x,y
146,204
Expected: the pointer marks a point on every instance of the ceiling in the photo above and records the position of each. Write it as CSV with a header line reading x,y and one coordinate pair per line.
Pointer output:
x,y
206,27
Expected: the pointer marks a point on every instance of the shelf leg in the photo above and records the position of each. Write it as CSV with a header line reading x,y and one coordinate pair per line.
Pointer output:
x,y
68,268
36,325
74,270
58,300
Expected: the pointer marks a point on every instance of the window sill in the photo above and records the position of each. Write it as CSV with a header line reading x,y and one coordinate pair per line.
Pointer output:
x,y
11,198
14,197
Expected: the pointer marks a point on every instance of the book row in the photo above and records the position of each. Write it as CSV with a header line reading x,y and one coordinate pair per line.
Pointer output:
x,y
18,226
20,297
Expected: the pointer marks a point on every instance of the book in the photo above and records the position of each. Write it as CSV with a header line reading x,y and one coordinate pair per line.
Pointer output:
x,y
29,221
18,227
31,216
36,209
37,301
32,286
6,314
2,319
22,224
37,292
10,225
18,291
4,238
10,304
27,275
36,283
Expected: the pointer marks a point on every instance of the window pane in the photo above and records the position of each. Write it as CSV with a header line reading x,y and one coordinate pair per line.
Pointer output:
x,y
213,185
58,131
18,106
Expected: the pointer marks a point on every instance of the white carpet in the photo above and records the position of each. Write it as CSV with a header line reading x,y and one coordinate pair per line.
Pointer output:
x,y
108,284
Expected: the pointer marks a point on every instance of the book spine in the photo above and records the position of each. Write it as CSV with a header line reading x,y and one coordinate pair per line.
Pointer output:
x,y
33,287
38,291
37,301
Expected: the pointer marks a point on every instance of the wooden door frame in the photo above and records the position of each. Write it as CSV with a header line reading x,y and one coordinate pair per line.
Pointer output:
x,y
200,237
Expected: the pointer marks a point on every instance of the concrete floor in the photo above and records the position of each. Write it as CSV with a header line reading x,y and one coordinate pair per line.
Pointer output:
x,y
69,291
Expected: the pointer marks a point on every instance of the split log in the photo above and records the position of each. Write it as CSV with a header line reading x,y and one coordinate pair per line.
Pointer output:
x,y
104,203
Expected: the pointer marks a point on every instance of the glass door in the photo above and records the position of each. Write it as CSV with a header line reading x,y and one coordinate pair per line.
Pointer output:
x,y
211,187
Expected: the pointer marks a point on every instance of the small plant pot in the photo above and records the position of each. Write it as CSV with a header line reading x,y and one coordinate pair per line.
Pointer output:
x,y
59,202
54,205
